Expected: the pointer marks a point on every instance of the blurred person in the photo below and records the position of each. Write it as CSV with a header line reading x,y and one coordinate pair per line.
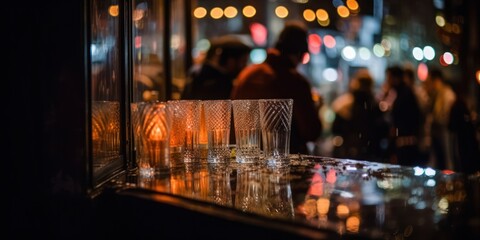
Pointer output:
x,y
404,119
278,77
212,79
441,99
422,99
359,126
465,142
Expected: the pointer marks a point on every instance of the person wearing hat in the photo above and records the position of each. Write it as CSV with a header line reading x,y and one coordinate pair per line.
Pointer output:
x,y
212,79
278,77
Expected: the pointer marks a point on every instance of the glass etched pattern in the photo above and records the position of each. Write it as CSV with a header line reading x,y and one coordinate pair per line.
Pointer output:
x,y
151,124
185,131
217,121
246,116
105,132
275,120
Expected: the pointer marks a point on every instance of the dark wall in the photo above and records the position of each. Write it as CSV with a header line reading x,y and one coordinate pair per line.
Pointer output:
x,y
46,118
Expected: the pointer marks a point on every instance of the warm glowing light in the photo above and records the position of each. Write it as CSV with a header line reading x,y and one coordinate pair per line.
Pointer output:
x,y
422,71
329,41
314,43
331,176
322,15
417,53
138,14
443,204
353,224
428,52
249,11
440,20
448,172
343,11
386,44
337,141
113,10
281,12
230,12
138,42
200,12
447,58
456,28
306,58
309,15
352,5
216,13
342,211
477,74
323,205
259,33
324,23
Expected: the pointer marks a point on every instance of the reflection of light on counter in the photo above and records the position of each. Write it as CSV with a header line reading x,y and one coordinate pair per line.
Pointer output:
x,y
418,171
342,211
353,224
346,194
331,176
323,204
351,168
430,172
316,188
430,183
385,184
443,205
310,208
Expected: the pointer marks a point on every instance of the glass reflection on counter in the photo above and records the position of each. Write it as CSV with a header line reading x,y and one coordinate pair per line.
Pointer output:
x,y
375,200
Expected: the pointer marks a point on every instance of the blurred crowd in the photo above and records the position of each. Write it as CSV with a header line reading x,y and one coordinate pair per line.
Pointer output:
x,y
408,122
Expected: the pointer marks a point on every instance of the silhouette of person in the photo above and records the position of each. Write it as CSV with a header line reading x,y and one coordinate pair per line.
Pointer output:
x,y
404,119
278,77
359,126
465,143
226,57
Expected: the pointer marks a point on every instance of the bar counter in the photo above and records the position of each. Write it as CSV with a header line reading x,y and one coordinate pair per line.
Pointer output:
x,y
313,198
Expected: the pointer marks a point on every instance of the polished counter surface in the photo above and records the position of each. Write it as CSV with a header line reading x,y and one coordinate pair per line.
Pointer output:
x,y
359,199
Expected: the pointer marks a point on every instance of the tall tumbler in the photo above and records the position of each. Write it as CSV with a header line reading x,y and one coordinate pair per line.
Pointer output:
x,y
151,124
184,136
217,121
276,121
246,120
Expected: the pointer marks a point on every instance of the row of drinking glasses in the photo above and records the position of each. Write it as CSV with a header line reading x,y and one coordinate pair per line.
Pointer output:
x,y
175,132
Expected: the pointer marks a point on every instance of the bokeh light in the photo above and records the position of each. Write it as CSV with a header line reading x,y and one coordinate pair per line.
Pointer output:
x,y
200,12
343,11
422,71
417,53
281,12
330,74
216,13
428,52
309,15
249,11
329,41
230,12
